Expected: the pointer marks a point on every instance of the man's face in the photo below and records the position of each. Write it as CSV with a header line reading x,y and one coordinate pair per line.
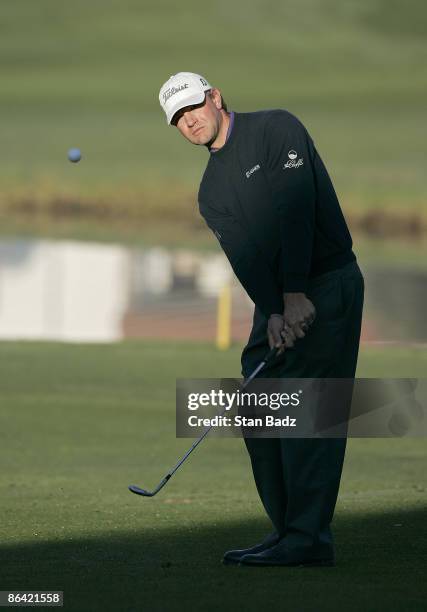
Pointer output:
x,y
200,123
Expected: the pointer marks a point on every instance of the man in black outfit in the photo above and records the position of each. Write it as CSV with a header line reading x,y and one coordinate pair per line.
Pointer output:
x,y
268,199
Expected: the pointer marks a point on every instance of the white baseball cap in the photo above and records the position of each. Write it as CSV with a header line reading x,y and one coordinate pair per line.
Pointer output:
x,y
182,89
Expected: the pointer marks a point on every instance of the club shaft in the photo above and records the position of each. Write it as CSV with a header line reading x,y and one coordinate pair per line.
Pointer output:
x,y
260,366
164,480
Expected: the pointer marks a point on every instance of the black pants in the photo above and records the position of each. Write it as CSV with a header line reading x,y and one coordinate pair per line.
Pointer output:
x,y
298,478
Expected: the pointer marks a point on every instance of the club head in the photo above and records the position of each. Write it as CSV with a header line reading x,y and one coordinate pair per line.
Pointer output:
x,y
138,491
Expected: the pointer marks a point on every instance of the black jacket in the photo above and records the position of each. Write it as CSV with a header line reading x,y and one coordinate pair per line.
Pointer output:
x,y
269,200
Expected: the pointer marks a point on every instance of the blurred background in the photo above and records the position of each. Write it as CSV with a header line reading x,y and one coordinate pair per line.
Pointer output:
x,y
111,287
87,75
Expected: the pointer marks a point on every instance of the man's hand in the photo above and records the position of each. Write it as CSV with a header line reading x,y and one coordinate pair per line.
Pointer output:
x,y
279,334
284,330
274,332
299,314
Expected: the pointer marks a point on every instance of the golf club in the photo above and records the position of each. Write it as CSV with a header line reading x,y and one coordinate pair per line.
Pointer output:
x,y
144,492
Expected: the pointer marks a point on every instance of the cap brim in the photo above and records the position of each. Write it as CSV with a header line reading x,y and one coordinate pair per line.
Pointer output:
x,y
195,98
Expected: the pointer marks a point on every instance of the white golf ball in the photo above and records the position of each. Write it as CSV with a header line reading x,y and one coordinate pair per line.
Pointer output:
x,y
74,155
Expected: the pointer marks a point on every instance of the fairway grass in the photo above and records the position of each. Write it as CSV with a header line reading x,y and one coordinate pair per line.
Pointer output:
x,y
78,423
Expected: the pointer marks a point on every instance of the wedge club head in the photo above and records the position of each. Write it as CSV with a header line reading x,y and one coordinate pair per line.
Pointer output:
x,y
139,491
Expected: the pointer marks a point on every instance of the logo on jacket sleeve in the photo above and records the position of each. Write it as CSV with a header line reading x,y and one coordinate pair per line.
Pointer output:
x,y
293,162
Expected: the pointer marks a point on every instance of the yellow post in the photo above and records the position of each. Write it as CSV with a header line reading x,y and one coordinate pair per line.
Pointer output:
x,y
223,324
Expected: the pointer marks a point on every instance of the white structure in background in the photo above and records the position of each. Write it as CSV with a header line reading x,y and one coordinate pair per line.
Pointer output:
x,y
65,290
213,274
152,271
185,263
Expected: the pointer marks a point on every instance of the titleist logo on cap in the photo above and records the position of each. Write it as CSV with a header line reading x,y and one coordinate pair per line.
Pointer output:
x,y
172,91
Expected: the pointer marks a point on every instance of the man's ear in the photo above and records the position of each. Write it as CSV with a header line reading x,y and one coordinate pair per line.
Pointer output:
x,y
217,98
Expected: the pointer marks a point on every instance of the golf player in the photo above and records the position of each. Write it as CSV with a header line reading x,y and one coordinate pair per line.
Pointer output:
x,y
267,197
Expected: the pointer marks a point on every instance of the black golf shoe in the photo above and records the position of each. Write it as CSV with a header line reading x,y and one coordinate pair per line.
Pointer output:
x,y
233,556
281,554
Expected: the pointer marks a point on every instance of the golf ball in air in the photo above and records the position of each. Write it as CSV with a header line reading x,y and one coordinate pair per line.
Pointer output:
x,y
74,155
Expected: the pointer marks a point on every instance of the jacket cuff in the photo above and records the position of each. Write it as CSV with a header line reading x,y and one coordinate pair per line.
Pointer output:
x,y
273,306
295,283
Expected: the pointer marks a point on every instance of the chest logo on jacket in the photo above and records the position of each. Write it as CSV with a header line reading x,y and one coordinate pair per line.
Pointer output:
x,y
252,170
292,162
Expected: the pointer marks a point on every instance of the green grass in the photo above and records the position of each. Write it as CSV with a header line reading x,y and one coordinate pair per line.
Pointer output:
x,y
80,422
87,74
